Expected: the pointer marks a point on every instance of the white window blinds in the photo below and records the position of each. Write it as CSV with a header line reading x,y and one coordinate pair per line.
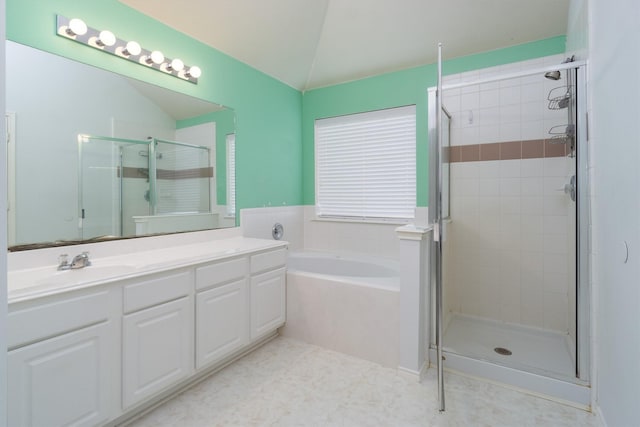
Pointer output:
x,y
231,174
366,165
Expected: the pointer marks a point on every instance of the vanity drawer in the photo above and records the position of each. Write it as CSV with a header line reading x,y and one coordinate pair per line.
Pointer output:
x,y
36,323
156,290
220,272
268,260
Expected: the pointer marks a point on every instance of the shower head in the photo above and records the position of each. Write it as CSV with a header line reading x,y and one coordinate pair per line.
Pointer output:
x,y
553,75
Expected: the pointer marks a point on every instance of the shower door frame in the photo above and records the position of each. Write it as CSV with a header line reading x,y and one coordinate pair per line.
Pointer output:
x,y
583,292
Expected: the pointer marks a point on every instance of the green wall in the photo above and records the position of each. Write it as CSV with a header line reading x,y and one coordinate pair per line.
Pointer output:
x,y
225,124
268,112
397,89
274,122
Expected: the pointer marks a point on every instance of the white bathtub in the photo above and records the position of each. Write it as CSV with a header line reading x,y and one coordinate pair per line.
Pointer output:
x,y
346,303
355,269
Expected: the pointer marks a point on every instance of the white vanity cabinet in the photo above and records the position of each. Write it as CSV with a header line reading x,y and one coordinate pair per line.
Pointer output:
x,y
268,292
61,363
222,314
99,353
157,335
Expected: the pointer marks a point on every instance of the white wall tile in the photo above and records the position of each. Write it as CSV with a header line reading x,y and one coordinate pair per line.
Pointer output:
x,y
469,135
533,224
470,101
488,187
532,307
531,186
510,205
533,92
531,262
258,223
555,311
533,130
555,205
464,170
555,244
532,242
488,99
488,169
532,111
465,186
489,206
532,205
489,116
532,167
556,263
554,186
488,134
510,114
555,166
510,186
510,95
510,131
555,224
510,168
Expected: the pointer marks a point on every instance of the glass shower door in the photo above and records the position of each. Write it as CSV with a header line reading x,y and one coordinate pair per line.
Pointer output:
x,y
105,164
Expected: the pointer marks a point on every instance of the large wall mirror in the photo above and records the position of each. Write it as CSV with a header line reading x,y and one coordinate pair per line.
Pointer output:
x,y
94,155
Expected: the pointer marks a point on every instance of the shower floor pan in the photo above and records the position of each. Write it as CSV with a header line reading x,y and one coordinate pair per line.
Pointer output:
x,y
540,361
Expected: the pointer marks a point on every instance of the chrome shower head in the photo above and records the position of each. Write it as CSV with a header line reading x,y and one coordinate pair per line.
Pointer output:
x,y
553,75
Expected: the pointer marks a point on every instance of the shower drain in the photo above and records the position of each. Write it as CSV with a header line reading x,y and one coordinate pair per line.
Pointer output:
x,y
503,351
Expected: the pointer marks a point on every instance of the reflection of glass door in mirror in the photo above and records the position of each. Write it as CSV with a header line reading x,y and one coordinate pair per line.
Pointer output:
x,y
114,180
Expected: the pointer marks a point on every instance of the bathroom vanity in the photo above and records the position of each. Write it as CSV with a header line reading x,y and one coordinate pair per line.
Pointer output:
x,y
96,346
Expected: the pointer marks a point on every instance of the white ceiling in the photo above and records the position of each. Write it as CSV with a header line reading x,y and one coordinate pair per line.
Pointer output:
x,y
313,43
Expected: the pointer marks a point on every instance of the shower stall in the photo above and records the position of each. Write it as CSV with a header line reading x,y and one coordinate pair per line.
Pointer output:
x,y
512,163
124,179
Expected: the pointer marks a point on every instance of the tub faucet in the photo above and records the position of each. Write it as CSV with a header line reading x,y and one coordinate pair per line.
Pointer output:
x,y
79,261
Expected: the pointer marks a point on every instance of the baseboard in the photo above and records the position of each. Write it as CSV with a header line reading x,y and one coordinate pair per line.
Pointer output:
x,y
412,375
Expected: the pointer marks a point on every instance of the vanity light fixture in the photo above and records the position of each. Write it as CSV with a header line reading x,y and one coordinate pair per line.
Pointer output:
x,y
76,29
194,72
156,57
106,38
131,48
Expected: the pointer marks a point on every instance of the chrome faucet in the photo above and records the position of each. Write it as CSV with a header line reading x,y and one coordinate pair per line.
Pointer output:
x,y
79,261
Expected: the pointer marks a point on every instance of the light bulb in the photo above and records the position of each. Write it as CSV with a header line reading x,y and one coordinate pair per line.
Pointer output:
x,y
176,65
106,38
132,48
194,72
76,27
156,57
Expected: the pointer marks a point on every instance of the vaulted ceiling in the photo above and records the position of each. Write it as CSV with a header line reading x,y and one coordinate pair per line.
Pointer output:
x,y
313,43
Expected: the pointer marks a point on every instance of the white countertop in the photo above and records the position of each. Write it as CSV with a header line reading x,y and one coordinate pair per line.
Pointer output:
x,y
36,282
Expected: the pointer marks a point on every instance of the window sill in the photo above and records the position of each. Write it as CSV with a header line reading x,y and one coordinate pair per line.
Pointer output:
x,y
379,221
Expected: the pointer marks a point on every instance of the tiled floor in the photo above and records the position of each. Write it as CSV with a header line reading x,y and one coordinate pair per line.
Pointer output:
x,y
291,383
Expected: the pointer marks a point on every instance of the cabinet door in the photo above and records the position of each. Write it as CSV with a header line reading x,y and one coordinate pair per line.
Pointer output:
x,y
157,349
221,322
267,302
62,381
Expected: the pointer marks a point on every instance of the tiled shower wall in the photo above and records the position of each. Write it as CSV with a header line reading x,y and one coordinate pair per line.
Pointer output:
x,y
509,234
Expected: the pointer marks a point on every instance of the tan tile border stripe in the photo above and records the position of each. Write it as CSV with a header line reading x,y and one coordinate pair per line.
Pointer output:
x,y
529,149
130,172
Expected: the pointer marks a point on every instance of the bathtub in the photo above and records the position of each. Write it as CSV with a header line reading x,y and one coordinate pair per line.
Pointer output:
x,y
347,303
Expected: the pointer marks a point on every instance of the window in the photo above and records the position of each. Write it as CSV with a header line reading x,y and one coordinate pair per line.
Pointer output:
x,y
366,165
231,174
